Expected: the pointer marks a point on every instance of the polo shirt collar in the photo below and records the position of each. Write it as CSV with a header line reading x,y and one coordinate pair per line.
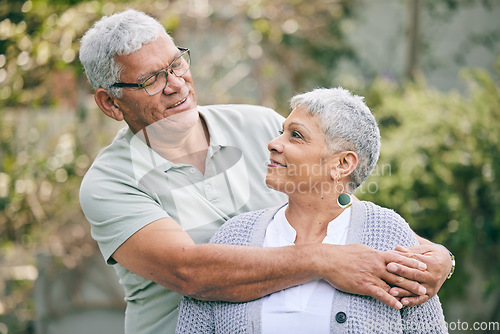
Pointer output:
x,y
144,159
216,131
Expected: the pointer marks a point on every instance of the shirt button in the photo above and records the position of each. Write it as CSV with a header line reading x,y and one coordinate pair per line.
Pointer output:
x,y
208,187
341,317
192,170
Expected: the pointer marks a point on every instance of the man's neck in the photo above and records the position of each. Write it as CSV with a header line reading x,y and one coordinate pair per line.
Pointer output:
x,y
186,147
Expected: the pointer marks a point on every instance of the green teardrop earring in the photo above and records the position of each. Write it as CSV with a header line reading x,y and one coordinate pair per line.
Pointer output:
x,y
344,200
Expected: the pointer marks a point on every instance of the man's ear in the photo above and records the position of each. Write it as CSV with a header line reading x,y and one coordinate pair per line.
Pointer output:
x,y
107,103
345,163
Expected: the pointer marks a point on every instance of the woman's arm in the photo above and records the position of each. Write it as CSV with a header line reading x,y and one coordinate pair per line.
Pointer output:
x,y
425,318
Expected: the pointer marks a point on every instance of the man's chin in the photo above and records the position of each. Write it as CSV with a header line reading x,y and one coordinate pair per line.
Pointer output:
x,y
170,128
178,121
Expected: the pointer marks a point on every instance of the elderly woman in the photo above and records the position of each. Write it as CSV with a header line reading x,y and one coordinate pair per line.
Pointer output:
x,y
329,145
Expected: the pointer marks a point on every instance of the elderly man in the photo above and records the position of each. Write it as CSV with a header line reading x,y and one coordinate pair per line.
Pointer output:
x,y
161,189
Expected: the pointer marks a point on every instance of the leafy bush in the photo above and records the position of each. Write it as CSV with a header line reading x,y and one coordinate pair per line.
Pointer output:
x,y
439,169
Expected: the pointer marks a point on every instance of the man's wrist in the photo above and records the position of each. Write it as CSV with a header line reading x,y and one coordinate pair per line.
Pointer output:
x,y
323,259
452,257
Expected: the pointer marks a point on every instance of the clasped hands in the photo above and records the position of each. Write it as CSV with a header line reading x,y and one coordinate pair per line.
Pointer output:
x,y
406,276
437,266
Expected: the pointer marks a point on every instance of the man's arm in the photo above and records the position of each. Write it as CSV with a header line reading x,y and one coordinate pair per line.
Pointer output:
x,y
164,253
438,262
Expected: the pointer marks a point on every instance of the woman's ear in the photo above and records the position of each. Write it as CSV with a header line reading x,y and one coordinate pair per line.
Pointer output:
x,y
345,164
107,103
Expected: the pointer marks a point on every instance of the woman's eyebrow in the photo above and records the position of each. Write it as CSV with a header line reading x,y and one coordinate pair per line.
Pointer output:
x,y
301,125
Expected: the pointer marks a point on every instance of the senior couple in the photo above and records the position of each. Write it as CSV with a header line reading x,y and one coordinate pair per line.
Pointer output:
x,y
305,257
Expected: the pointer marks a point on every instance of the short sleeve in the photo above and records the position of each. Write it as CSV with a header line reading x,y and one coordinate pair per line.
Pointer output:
x,y
115,207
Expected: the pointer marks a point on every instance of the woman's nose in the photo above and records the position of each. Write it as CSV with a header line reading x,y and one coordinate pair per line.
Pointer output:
x,y
275,144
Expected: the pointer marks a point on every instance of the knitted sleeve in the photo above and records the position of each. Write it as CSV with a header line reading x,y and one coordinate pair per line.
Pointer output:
x,y
425,318
386,230
238,230
195,317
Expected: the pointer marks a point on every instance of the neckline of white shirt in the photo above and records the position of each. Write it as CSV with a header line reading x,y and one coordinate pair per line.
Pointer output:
x,y
336,231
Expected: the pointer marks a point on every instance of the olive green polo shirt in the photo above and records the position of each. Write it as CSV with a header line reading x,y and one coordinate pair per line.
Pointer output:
x,y
129,186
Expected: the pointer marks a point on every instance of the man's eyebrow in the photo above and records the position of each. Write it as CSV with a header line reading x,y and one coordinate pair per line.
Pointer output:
x,y
143,77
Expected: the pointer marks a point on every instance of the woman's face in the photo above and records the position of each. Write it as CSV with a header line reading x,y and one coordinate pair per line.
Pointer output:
x,y
299,163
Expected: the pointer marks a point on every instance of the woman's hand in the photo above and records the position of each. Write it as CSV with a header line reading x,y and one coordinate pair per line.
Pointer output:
x,y
362,270
438,264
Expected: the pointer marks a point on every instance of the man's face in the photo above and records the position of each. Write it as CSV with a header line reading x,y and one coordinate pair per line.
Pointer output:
x,y
176,104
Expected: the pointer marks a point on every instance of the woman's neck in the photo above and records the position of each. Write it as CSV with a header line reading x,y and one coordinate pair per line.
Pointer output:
x,y
310,217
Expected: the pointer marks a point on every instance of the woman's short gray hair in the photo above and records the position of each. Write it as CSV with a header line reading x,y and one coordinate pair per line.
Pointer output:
x,y
118,34
348,125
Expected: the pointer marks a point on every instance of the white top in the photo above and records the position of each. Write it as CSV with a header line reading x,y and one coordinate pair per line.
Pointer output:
x,y
305,308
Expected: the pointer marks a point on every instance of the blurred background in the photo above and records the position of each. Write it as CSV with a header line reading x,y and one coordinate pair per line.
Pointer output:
x,y
429,70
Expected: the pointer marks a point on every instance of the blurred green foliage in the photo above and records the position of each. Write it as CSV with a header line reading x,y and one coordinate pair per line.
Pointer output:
x,y
37,39
39,42
43,156
303,44
439,168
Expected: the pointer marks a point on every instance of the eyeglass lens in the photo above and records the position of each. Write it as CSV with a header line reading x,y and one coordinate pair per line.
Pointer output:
x,y
158,82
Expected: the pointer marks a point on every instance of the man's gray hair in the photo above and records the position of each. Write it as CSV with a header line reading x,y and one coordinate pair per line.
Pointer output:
x,y
118,34
348,125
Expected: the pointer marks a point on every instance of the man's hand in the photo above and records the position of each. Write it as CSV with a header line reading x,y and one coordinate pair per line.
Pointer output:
x,y
363,271
438,264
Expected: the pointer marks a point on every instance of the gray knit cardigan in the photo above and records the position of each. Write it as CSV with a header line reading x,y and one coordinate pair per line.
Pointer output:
x,y
371,225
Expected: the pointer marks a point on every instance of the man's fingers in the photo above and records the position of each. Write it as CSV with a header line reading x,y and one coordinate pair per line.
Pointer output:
x,y
402,249
382,295
407,272
420,249
401,293
407,260
404,283
412,301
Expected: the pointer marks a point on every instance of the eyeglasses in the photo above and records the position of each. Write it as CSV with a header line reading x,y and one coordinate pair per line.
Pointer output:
x,y
158,81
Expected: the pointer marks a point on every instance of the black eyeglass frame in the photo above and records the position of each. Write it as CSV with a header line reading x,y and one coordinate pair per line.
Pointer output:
x,y
166,70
